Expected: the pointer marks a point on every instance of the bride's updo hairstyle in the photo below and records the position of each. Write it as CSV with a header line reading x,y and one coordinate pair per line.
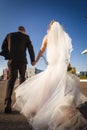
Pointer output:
x,y
51,23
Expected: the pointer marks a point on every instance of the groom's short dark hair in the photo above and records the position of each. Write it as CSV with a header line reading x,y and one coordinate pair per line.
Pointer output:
x,y
21,28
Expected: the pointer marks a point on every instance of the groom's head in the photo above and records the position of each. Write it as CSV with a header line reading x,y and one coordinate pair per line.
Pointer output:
x,y
21,29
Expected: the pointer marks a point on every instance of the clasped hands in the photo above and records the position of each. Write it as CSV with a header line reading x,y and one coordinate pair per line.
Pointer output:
x,y
33,63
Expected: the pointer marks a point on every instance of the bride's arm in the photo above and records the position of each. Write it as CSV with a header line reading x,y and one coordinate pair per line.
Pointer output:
x,y
42,49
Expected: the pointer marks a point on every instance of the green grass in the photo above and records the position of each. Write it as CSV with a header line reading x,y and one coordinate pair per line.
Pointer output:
x,y
83,77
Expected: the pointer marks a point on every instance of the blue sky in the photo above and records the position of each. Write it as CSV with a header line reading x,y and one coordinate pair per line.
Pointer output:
x,y
35,16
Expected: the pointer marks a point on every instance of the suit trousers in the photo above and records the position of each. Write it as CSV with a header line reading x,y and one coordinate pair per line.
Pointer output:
x,y
13,68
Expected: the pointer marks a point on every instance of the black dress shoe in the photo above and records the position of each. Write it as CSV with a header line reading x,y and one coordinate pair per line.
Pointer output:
x,y
8,109
83,109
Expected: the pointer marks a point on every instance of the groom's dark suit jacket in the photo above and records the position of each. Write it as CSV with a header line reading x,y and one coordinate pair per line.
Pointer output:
x,y
17,43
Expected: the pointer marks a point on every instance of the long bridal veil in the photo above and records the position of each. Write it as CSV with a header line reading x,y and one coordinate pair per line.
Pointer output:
x,y
59,45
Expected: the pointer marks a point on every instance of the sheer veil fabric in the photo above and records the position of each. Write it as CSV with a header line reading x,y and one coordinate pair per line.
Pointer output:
x,y
49,99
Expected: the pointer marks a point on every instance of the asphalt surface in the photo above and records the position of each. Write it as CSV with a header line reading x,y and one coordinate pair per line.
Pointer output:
x,y
13,121
16,121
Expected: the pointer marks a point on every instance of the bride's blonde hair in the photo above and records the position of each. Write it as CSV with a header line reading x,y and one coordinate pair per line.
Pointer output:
x,y
51,23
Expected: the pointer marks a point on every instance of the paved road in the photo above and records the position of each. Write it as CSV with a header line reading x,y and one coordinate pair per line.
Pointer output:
x,y
15,121
83,87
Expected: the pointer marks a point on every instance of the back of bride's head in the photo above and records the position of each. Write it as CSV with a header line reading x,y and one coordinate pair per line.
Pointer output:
x,y
51,23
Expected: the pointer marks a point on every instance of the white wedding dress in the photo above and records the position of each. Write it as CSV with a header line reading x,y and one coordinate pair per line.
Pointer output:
x,y
49,99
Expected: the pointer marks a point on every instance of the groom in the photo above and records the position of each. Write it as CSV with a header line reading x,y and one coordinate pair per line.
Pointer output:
x,y
14,49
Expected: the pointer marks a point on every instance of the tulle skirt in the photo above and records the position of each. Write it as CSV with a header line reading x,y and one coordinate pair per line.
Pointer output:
x,y
49,99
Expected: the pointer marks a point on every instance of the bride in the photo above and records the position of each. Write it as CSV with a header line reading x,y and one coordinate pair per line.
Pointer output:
x,y
49,100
